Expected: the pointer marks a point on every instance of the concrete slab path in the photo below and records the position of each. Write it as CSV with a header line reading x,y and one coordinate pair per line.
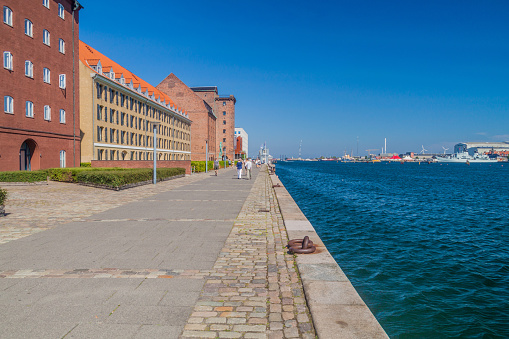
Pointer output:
x,y
200,256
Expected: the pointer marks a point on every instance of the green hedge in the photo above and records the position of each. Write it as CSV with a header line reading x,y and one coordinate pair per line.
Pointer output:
x,y
199,166
69,174
24,176
121,177
3,196
85,164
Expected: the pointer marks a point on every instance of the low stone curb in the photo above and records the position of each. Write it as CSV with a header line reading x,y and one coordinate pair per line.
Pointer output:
x,y
336,308
123,187
7,183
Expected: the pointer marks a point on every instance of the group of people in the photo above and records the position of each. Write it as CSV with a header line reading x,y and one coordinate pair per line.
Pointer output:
x,y
246,165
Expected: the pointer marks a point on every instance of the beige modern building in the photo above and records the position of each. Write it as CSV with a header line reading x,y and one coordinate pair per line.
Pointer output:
x,y
118,111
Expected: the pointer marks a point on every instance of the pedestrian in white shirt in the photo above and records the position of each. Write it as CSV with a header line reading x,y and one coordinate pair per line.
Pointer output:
x,y
248,167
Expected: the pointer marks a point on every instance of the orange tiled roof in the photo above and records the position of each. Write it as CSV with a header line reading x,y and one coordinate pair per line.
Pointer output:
x,y
91,57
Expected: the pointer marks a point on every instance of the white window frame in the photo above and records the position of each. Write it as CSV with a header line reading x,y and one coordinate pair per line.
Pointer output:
x,y
45,3
61,81
61,11
61,46
46,37
8,60
29,69
29,109
62,116
29,28
7,16
46,75
47,113
62,159
8,104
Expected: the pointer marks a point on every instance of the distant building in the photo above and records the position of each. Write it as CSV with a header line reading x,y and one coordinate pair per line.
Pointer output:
x,y
224,109
201,112
39,125
482,147
241,143
118,110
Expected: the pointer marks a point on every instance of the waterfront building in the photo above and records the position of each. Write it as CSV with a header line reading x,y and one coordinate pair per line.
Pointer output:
x,y
39,125
241,143
224,109
118,110
200,112
501,148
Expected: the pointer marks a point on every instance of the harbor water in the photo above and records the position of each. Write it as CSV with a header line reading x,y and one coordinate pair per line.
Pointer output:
x,y
425,245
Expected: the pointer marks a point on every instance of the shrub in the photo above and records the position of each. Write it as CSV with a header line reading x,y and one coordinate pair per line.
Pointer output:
x,y
69,174
120,177
85,164
3,196
23,176
199,166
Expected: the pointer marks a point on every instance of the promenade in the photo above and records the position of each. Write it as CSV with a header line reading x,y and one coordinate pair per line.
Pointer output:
x,y
200,256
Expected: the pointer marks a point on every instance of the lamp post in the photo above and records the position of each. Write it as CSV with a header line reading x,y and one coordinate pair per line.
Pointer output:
x,y
154,126
206,155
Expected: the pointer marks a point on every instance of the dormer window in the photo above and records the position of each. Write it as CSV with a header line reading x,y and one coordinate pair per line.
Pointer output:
x,y
112,75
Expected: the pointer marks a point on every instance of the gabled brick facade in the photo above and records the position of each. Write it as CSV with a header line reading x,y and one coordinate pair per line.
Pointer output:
x,y
203,129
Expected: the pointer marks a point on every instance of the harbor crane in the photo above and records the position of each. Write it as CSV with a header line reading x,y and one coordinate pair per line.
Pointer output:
x,y
371,149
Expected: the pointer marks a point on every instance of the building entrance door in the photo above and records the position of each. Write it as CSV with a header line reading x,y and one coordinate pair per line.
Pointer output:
x,y
25,157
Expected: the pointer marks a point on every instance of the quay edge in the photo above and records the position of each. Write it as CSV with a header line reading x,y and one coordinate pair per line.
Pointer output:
x,y
336,308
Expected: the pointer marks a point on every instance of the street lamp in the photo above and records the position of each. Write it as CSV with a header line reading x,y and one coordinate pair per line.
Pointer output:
x,y
154,126
206,155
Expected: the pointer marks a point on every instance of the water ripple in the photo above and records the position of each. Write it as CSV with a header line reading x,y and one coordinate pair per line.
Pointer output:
x,y
424,245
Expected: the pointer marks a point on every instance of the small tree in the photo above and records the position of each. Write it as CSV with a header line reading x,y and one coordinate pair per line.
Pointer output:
x,y
3,196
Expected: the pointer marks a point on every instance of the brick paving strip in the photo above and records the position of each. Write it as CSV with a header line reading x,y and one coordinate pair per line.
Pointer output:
x,y
253,290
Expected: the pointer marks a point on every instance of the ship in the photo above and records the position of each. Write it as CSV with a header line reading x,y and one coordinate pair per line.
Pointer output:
x,y
466,158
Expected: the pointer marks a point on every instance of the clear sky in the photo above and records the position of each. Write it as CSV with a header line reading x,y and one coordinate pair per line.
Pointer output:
x,y
329,73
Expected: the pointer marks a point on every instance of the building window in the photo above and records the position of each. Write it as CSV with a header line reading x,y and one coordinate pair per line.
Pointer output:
x,y
29,109
7,16
46,75
99,133
29,69
47,113
224,112
61,81
8,60
224,131
62,116
224,122
99,112
61,11
224,103
62,159
8,104
45,3
29,28
45,37
224,139
61,46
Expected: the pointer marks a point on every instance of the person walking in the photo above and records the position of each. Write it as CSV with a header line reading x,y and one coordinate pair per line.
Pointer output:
x,y
248,166
239,168
216,166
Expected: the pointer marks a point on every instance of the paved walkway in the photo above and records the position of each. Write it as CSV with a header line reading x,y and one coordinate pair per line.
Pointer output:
x,y
159,261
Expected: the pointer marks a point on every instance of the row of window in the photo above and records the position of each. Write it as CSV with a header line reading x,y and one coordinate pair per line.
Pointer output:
x,y
134,139
8,13
139,123
29,30
29,109
137,155
29,70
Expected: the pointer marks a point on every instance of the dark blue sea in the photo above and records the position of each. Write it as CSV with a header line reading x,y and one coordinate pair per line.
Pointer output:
x,y
426,246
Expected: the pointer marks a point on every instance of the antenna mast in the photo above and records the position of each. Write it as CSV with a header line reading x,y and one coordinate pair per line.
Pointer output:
x,y
300,149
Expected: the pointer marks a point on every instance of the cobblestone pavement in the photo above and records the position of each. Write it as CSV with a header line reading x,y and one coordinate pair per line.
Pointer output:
x,y
254,290
35,208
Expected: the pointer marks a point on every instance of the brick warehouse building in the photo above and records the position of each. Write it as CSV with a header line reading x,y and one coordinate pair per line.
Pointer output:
x,y
224,108
118,110
39,126
200,112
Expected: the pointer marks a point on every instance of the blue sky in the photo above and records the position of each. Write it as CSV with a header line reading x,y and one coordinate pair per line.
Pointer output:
x,y
329,73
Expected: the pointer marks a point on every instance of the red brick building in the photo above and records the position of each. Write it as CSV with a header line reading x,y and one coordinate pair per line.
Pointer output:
x,y
224,109
201,113
39,125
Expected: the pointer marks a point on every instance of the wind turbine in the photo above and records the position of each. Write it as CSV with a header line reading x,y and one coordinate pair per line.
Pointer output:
x,y
423,150
445,149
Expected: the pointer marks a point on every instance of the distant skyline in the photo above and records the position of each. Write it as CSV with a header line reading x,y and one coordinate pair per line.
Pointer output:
x,y
429,73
